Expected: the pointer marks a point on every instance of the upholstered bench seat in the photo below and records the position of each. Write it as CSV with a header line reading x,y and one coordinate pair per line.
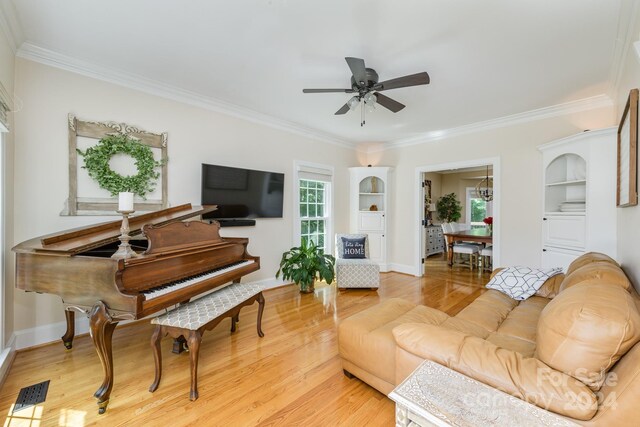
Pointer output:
x,y
190,320
355,272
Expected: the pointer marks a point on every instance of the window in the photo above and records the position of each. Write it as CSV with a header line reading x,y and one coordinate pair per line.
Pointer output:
x,y
312,208
313,205
477,209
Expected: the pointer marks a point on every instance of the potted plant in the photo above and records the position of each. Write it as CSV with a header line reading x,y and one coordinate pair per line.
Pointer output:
x,y
306,263
449,208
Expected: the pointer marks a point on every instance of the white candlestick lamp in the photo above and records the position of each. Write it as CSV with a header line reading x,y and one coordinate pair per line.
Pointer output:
x,y
125,207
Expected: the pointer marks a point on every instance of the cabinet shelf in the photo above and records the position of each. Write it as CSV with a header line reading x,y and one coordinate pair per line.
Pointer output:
x,y
558,213
367,210
573,182
372,194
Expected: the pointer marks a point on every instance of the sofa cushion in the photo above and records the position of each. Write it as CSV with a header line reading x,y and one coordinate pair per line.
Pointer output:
x,y
588,258
461,325
597,272
366,340
551,287
586,329
488,310
508,342
522,321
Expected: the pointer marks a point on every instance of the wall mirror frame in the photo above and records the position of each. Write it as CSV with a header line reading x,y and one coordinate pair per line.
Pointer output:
x,y
627,176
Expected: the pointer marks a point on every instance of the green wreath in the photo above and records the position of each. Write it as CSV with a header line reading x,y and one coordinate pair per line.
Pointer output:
x,y
96,162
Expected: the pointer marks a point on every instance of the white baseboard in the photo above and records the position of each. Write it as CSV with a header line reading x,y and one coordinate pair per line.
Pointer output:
x,y
6,357
48,333
272,283
402,268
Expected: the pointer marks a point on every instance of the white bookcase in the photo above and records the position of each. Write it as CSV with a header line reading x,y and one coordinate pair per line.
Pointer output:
x,y
370,209
579,190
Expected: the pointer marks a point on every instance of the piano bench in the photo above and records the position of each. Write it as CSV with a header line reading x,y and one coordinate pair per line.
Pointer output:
x,y
190,320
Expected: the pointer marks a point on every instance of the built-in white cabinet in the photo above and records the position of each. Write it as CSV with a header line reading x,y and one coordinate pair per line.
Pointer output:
x,y
369,208
579,206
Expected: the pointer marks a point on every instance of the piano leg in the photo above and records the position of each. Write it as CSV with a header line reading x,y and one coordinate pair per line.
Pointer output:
x,y
67,338
157,356
101,328
260,310
194,347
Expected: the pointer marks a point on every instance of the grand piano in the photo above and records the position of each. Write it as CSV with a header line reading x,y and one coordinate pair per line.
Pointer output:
x,y
177,261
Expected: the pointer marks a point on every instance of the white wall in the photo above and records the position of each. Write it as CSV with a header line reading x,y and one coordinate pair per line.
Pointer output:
x,y
629,218
7,62
195,136
521,164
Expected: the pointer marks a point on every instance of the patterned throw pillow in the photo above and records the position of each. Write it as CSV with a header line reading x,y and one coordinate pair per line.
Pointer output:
x,y
353,248
521,283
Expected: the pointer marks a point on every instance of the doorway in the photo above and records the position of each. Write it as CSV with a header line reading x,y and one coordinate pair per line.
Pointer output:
x,y
461,178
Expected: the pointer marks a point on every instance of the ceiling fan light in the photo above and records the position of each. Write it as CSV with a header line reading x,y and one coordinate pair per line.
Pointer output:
x,y
370,99
353,102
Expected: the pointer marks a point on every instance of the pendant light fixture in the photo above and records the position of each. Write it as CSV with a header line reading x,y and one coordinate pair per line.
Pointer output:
x,y
484,189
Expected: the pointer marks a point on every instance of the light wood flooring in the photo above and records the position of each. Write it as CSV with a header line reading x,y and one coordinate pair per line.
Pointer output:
x,y
290,377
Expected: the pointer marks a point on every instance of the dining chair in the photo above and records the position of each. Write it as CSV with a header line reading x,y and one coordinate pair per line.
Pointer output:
x,y
486,258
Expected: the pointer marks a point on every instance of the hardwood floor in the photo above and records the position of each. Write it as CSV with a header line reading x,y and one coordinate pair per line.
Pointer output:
x,y
292,376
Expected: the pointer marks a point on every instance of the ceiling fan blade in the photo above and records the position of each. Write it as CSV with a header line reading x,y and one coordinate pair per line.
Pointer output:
x,y
389,103
327,90
357,69
411,80
345,108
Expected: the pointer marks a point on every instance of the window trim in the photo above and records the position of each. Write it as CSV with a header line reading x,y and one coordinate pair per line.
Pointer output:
x,y
322,169
469,191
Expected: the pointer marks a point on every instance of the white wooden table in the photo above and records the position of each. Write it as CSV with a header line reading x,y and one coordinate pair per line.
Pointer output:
x,y
434,395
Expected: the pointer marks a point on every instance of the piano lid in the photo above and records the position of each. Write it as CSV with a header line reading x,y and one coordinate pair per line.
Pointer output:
x,y
77,240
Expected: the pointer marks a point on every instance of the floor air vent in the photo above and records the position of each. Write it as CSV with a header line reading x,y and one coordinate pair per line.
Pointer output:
x,y
31,395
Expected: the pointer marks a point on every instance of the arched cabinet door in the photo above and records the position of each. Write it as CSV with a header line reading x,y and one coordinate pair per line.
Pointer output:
x,y
369,208
578,197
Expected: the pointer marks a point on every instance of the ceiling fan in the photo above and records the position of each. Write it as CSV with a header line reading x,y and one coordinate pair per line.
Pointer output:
x,y
364,83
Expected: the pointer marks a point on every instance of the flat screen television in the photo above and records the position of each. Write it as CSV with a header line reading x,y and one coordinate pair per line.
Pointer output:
x,y
242,193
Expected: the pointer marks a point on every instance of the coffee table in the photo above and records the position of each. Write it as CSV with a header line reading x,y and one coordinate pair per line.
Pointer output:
x,y
434,395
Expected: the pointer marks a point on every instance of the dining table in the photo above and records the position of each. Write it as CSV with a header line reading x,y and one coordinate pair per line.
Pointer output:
x,y
481,234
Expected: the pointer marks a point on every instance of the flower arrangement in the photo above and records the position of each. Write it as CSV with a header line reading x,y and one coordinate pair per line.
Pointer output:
x,y
488,220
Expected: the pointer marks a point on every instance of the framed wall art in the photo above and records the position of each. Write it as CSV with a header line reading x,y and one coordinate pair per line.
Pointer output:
x,y
627,180
85,196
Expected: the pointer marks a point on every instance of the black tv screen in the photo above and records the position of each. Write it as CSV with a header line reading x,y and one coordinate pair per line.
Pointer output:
x,y
242,193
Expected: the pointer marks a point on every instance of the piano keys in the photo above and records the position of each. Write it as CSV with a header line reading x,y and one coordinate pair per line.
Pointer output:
x,y
178,261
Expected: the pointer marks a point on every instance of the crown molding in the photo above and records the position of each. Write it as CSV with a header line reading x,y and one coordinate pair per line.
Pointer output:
x,y
11,25
598,101
629,14
51,58
133,81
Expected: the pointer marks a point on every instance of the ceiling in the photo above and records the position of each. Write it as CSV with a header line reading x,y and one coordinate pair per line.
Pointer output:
x,y
487,59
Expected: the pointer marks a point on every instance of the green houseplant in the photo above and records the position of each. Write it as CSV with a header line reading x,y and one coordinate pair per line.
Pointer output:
x,y
306,263
449,208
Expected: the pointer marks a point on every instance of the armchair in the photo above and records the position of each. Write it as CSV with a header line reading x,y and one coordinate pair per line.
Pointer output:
x,y
355,272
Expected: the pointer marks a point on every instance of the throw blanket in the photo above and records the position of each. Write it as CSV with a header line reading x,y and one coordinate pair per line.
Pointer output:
x,y
521,283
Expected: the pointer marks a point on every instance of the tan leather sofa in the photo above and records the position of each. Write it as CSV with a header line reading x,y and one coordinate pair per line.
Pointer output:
x,y
572,349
